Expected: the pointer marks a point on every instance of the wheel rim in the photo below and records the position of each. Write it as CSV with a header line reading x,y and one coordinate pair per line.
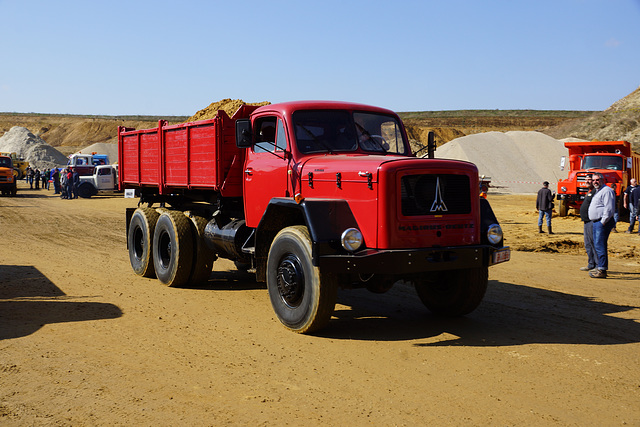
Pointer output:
x,y
164,249
290,279
138,246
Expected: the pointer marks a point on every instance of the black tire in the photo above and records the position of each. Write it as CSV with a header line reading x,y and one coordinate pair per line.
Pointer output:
x,y
86,190
453,293
140,241
563,207
302,296
173,248
203,256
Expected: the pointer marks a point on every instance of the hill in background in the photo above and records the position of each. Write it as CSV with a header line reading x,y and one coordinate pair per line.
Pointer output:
x,y
70,133
620,122
449,125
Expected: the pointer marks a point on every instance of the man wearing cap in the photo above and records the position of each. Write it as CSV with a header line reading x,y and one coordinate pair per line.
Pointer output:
x,y
544,204
601,210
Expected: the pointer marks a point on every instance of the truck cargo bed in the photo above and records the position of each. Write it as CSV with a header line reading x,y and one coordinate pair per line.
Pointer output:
x,y
195,156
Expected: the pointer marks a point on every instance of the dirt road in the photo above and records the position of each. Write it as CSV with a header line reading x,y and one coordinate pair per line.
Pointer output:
x,y
83,341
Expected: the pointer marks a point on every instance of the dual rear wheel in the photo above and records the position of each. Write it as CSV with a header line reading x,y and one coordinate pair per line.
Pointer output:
x,y
167,245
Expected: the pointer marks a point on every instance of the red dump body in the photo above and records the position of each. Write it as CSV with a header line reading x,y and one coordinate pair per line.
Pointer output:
x,y
188,156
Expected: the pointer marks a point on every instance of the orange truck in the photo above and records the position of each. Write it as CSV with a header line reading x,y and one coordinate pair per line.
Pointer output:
x,y
8,184
613,159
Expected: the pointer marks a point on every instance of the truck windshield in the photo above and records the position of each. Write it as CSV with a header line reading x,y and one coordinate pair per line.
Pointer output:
x,y
337,130
602,162
5,162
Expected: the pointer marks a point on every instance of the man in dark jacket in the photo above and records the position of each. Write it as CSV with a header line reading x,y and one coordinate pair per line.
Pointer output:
x,y
544,204
588,225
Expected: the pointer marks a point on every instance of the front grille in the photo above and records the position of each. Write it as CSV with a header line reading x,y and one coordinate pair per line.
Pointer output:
x,y
435,195
582,178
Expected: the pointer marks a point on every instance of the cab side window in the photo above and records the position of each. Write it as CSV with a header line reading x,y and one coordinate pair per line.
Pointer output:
x,y
265,134
270,135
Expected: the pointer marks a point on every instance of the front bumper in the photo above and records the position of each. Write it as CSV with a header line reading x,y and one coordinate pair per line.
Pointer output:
x,y
409,261
7,185
571,198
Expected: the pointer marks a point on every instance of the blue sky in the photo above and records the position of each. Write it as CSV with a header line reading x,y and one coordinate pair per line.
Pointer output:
x,y
174,58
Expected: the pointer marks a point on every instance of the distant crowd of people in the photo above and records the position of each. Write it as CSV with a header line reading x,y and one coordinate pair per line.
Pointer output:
x,y
65,181
600,216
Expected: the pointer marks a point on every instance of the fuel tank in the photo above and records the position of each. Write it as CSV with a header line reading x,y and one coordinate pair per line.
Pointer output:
x,y
227,241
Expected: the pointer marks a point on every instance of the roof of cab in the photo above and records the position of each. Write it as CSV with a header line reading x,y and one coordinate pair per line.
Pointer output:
x,y
287,108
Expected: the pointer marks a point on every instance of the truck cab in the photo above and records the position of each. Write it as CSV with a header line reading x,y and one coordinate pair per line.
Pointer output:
x,y
103,179
84,164
8,185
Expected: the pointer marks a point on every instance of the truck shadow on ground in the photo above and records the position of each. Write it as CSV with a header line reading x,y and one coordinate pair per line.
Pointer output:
x,y
509,315
29,300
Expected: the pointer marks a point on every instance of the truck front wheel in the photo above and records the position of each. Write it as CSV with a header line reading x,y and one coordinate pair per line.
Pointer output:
x,y
563,207
140,240
302,296
86,190
173,248
453,293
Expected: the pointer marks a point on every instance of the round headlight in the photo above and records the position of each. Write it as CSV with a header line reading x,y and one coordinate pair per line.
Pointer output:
x,y
351,239
563,189
494,234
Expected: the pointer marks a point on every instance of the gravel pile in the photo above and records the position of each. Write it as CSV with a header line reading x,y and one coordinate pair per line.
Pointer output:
x,y
518,162
33,149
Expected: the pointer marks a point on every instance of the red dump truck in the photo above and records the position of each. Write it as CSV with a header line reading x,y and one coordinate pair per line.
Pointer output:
x,y
614,159
310,196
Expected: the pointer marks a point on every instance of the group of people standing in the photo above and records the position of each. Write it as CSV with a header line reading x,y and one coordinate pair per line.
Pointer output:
x,y
35,176
65,181
598,213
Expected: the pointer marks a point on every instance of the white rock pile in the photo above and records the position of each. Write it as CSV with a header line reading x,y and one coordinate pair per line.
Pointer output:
x,y
33,149
518,162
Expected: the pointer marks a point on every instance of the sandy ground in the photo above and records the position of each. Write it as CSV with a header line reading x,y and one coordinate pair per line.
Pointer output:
x,y
83,341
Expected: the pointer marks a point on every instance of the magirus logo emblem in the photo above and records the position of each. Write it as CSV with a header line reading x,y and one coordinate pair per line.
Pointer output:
x,y
438,204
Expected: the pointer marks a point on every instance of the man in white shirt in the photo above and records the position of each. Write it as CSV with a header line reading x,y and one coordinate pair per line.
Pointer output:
x,y
601,210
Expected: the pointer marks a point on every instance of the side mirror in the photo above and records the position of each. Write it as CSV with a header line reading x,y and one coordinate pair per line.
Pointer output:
x,y
243,133
562,162
431,144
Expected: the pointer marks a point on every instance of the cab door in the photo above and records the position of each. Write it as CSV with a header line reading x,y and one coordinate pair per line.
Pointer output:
x,y
266,166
